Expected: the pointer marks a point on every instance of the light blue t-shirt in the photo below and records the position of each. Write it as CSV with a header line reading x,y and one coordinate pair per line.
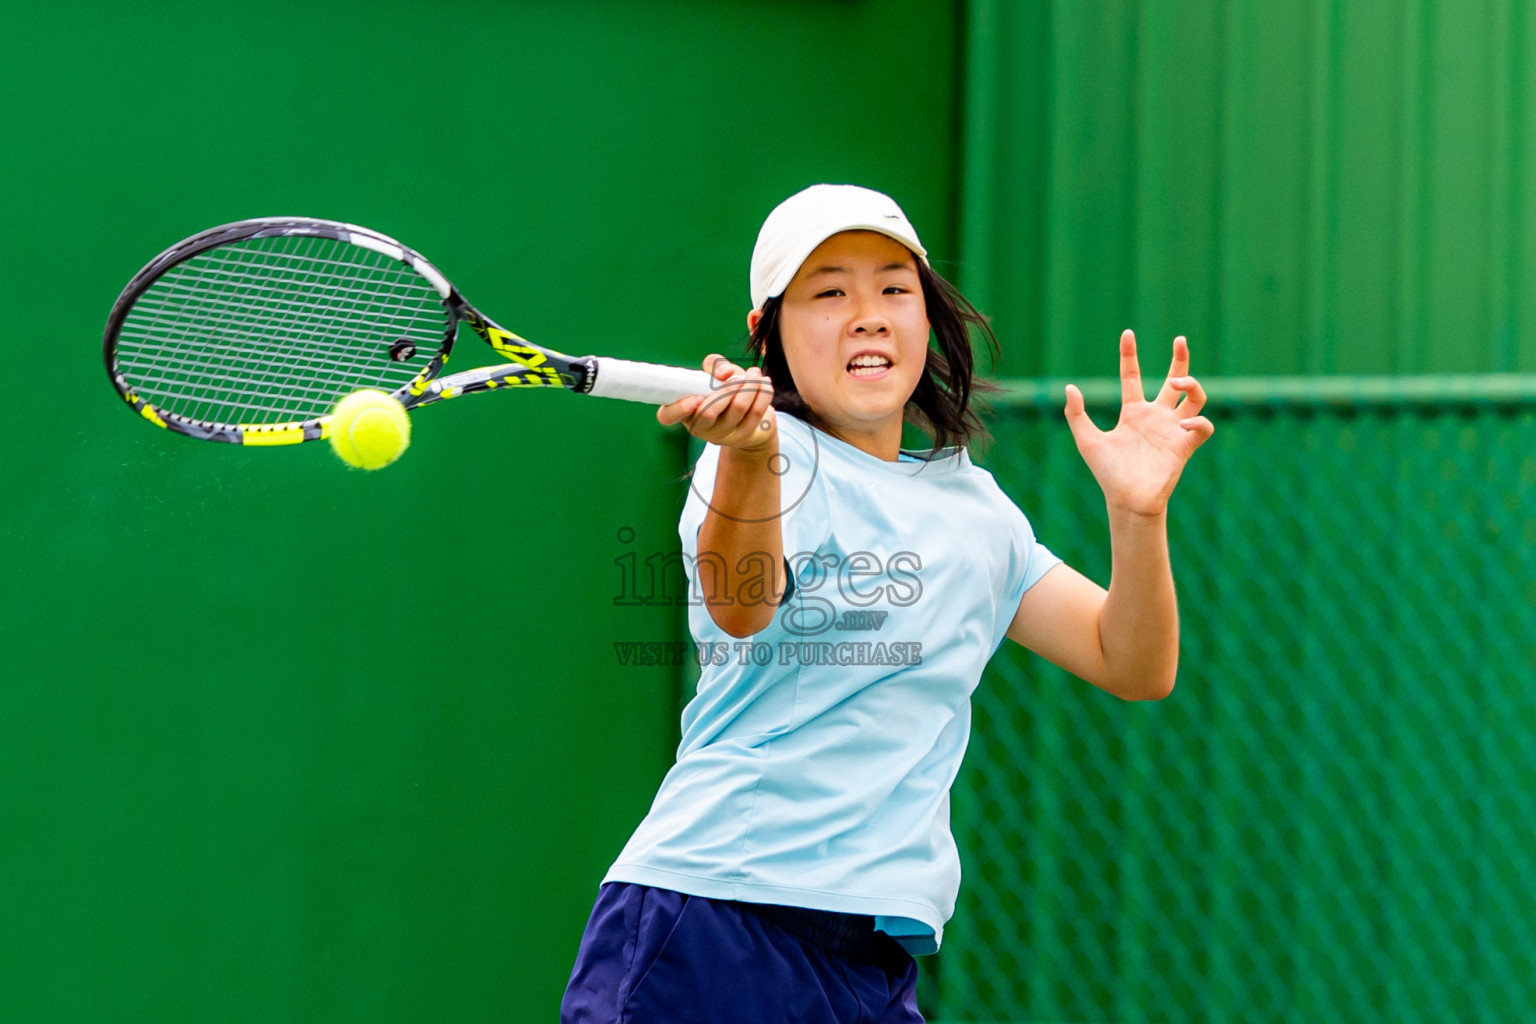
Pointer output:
x,y
817,756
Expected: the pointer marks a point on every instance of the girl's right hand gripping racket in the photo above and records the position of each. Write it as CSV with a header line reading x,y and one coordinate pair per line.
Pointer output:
x,y
251,332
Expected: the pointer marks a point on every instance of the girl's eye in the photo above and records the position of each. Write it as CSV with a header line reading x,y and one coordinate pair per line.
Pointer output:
x,y
896,289
829,293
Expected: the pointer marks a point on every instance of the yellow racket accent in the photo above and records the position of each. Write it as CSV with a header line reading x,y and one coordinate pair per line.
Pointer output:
x,y
262,437
148,412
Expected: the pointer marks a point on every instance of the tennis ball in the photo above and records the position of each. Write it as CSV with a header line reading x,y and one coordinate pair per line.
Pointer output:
x,y
369,429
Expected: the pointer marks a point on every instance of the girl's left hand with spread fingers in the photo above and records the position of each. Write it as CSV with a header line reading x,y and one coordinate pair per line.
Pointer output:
x,y
1138,463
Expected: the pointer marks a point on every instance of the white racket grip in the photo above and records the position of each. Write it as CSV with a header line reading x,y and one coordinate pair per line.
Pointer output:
x,y
647,382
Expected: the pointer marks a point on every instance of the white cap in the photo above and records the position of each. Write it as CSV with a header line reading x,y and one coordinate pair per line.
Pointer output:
x,y
806,219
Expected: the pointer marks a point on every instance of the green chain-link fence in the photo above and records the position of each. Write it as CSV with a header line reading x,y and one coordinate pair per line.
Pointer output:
x,y
1333,818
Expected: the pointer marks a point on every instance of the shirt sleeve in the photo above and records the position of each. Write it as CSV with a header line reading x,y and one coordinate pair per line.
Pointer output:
x,y
701,487
1028,561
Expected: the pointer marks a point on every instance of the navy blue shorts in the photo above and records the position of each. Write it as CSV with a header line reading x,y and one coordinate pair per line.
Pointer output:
x,y
654,955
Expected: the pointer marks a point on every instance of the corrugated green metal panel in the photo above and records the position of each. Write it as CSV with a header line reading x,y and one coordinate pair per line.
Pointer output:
x,y
1366,216
1311,187
1002,226
1178,114
1090,200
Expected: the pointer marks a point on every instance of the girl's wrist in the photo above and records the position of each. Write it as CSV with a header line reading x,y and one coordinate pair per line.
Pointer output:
x,y
756,452
1138,519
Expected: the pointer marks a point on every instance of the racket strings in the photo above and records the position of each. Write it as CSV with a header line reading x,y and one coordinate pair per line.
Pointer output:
x,y
275,330
210,362
305,304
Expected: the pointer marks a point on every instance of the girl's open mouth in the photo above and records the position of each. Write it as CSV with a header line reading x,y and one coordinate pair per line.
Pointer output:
x,y
868,365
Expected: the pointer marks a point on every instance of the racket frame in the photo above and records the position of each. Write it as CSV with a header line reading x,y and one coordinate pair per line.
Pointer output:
x,y
528,365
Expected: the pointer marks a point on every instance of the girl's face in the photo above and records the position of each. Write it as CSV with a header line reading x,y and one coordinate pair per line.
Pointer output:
x,y
855,332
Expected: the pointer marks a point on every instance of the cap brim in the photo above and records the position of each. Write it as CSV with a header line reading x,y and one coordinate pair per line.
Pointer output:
x,y
792,265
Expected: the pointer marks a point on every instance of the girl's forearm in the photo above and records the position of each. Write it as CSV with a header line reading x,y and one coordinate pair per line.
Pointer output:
x,y
741,540
1139,623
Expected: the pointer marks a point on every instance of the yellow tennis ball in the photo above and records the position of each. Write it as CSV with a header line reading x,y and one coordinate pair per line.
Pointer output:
x,y
369,429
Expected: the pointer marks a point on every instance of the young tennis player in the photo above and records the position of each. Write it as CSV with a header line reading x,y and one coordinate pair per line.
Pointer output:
x,y
850,594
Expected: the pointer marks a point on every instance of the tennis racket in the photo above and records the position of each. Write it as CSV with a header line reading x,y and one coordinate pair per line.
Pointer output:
x,y
251,332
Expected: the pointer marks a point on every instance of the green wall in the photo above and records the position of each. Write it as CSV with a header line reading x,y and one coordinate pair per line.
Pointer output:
x,y
280,741
1314,186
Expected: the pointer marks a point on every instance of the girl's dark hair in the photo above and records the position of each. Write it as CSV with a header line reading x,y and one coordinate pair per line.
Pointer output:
x,y
941,405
